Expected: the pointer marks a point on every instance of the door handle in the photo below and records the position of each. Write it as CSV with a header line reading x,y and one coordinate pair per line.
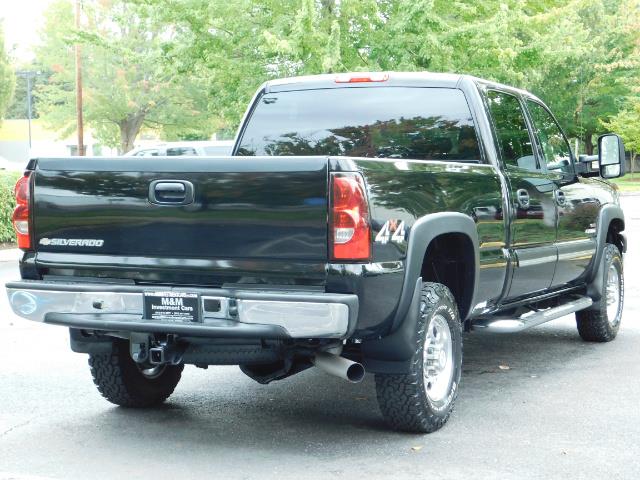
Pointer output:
x,y
170,189
523,199
561,199
171,192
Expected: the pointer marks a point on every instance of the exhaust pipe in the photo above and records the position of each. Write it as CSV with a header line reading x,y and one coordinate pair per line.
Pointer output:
x,y
339,366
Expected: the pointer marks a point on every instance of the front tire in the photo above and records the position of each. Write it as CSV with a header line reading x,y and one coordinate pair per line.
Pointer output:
x,y
122,381
601,324
422,400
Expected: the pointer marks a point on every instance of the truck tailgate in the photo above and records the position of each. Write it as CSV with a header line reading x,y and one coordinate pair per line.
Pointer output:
x,y
249,208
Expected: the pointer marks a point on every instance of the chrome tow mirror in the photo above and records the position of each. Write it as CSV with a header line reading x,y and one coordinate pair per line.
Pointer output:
x,y
611,156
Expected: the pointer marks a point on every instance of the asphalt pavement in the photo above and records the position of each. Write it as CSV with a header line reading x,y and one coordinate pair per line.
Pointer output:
x,y
538,404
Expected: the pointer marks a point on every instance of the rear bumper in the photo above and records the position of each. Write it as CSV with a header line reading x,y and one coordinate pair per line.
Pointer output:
x,y
239,313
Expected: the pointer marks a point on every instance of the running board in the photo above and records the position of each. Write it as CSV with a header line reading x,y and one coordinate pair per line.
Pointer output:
x,y
530,319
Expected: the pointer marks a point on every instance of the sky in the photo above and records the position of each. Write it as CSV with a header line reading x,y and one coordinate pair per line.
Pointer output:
x,y
21,20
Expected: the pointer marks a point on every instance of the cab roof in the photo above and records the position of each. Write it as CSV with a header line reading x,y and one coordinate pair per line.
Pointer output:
x,y
396,79
393,79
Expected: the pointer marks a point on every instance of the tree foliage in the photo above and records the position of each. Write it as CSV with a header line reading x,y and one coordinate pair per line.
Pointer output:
x,y
126,83
7,204
627,124
578,55
18,107
588,51
7,78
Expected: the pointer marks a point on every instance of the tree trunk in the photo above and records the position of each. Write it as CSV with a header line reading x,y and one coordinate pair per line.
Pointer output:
x,y
588,143
129,129
328,6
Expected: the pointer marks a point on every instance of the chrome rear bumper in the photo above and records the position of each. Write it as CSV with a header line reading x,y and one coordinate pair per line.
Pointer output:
x,y
238,313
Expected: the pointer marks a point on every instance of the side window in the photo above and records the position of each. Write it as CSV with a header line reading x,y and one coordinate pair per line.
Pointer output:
x,y
176,151
511,129
147,153
555,148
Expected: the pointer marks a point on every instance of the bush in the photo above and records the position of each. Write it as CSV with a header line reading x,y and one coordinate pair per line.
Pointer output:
x,y
7,204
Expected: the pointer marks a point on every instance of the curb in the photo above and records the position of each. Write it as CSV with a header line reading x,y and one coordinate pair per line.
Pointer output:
x,y
10,255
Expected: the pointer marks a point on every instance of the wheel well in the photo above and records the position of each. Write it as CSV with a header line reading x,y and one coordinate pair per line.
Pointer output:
x,y
613,234
450,260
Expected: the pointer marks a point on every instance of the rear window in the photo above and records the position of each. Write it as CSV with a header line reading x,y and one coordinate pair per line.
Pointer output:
x,y
384,122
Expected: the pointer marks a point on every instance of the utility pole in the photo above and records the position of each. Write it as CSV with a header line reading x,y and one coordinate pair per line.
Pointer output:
x,y
79,87
29,76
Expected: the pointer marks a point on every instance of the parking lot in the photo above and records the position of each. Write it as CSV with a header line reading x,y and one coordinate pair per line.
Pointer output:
x,y
539,404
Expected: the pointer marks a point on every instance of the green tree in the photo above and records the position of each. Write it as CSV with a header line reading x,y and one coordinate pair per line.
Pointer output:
x,y
588,49
477,38
126,83
577,55
234,46
18,107
627,124
7,78
572,54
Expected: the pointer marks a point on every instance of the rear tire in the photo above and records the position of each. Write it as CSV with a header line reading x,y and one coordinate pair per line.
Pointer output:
x,y
601,324
422,400
122,381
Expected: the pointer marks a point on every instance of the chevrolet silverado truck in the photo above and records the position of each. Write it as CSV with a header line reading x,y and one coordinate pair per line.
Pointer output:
x,y
362,223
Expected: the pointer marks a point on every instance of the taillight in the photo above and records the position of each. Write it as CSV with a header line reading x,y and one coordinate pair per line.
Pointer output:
x,y
350,230
21,213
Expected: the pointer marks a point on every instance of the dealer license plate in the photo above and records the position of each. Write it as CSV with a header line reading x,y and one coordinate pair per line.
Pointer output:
x,y
172,306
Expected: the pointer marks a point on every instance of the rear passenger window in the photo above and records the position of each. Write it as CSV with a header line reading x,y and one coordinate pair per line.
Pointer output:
x,y
511,130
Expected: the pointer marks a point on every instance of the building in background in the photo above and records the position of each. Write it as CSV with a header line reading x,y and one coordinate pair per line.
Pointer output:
x,y
14,142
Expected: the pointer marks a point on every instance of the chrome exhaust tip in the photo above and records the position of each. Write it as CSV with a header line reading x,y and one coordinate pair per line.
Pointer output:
x,y
339,366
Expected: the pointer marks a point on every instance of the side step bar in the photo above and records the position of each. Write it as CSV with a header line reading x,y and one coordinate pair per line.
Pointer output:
x,y
530,319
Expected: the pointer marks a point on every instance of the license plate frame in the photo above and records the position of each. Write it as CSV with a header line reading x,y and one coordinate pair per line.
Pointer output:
x,y
167,306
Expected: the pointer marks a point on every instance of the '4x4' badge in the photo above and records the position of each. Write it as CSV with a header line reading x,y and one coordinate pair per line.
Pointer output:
x,y
391,231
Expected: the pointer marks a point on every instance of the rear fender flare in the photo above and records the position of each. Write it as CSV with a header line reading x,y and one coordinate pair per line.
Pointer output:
x,y
422,233
393,352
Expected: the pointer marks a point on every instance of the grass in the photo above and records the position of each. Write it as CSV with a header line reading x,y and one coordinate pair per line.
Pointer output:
x,y
629,183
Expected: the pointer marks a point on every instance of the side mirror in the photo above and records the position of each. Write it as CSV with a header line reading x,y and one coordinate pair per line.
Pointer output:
x,y
611,156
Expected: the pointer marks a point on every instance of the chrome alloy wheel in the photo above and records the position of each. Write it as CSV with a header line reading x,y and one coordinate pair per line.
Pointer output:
x,y
438,362
613,295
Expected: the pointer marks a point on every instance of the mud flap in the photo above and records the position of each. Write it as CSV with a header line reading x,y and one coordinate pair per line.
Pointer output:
x,y
393,353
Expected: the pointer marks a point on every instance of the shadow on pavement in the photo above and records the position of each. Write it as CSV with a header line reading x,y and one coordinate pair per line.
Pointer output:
x,y
315,409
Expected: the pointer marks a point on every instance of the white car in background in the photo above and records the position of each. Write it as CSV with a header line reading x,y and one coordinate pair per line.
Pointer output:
x,y
172,149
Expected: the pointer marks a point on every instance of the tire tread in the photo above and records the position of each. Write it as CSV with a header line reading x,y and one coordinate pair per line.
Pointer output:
x,y
593,324
118,381
401,397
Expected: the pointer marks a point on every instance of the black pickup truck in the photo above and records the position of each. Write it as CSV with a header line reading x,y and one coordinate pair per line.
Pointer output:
x,y
361,224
